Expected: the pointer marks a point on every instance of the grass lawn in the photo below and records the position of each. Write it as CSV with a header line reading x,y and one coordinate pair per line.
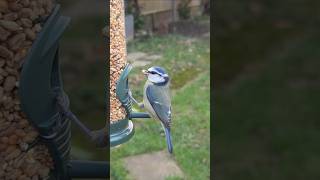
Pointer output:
x,y
188,63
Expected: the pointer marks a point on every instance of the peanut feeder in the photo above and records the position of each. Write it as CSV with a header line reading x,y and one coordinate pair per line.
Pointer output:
x,y
121,129
121,126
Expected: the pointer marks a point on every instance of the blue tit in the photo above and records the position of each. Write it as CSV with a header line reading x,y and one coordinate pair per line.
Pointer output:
x,y
156,99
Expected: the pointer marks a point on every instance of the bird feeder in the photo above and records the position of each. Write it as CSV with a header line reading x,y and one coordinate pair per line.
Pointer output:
x,y
45,103
121,126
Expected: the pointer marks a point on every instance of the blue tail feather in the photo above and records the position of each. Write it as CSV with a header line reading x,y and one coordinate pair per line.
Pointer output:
x,y
168,139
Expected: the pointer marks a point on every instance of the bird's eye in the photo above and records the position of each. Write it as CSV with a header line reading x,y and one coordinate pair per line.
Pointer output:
x,y
152,72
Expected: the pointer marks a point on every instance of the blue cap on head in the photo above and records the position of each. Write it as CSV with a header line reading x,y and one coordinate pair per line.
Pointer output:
x,y
158,70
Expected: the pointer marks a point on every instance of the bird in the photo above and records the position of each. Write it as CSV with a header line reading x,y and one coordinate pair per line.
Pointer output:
x,y
157,100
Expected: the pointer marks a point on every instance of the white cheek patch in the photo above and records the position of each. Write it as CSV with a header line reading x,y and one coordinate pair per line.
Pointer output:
x,y
155,78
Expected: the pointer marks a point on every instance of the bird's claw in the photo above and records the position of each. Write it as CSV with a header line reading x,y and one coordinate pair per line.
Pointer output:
x,y
141,105
130,93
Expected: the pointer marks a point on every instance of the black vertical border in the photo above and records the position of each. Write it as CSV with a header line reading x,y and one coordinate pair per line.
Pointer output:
x,y
212,104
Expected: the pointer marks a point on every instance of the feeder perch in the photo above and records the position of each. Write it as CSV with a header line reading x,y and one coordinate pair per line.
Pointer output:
x,y
40,87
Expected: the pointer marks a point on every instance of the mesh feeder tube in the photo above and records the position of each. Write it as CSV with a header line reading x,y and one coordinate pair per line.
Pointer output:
x,y
121,128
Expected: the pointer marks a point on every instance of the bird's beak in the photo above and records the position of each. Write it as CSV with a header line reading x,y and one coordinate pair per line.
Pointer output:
x,y
145,72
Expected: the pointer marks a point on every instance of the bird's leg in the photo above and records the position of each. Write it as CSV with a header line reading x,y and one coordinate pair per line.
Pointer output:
x,y
83,127
99,137
141,105
63,106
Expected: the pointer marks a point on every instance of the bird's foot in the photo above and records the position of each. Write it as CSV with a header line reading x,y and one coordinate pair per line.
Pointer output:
x,y
141,105
100,138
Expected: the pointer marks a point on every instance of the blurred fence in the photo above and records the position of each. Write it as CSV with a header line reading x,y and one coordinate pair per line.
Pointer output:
x,y
157,6
158,14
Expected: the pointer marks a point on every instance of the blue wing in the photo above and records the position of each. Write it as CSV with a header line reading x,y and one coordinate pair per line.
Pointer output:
x,y
159,99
